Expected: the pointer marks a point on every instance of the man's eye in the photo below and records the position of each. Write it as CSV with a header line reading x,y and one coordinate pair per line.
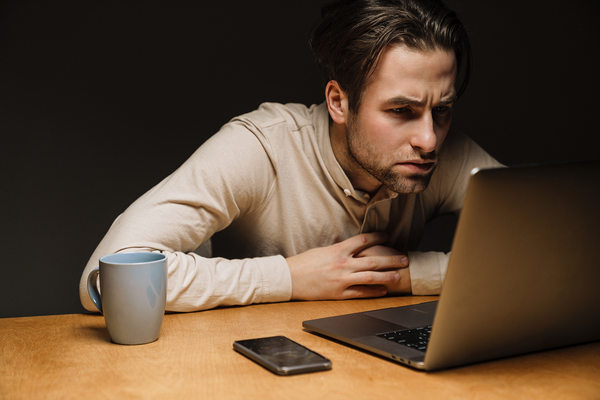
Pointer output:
x,y
401,110
441,109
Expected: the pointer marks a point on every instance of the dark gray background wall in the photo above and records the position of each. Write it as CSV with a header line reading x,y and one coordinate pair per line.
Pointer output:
x,y
100,101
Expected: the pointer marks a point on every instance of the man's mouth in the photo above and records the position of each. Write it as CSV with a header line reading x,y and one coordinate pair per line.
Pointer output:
x,y
417,165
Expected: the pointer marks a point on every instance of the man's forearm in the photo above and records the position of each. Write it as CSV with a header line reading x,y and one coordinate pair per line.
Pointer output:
x,y
197,283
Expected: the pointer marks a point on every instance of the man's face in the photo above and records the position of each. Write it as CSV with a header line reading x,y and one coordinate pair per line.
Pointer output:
x,y
406,110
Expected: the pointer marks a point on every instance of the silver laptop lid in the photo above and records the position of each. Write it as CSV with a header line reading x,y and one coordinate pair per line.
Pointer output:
x,y
524,273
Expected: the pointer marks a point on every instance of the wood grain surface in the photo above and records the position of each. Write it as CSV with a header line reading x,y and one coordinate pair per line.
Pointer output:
x,y
72,357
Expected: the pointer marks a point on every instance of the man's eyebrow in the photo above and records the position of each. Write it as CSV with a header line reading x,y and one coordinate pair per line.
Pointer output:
x,y
404,100
448,100
417,103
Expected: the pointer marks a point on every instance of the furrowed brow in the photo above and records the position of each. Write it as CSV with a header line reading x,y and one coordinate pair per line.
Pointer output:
x,y
448,100
413,102
404,101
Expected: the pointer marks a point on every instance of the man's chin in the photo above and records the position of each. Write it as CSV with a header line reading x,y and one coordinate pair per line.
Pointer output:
x,y
409,184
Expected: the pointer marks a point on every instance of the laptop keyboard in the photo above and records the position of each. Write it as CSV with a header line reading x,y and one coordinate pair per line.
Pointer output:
x,y
414,338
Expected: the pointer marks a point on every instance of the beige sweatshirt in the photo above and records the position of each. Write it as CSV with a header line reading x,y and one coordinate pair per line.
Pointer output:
x,y
271,178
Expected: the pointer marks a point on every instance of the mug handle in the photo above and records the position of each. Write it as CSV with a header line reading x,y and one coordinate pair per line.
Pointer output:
x,y
93,290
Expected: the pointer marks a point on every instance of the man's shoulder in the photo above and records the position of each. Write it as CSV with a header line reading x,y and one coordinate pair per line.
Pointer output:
x,y
291,116
459,156
460,151
455,141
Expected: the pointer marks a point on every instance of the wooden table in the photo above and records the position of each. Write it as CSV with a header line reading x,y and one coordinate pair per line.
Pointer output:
x,y
71,357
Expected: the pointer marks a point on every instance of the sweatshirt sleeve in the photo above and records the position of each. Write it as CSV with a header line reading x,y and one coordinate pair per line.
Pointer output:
x,y
427,272
227,177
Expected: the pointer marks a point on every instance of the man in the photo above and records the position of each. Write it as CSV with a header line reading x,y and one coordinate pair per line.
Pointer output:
x,y
328,201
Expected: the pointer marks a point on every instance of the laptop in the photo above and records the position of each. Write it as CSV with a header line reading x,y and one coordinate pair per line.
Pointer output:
x,y
523,275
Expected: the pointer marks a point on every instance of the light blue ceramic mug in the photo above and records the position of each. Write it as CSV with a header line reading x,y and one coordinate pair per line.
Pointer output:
x,y
132,296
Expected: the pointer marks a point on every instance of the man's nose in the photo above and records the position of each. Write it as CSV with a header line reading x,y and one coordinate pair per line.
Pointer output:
x,y
424,136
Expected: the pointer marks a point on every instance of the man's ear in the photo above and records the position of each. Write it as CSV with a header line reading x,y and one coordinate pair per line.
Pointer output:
x,y
337,102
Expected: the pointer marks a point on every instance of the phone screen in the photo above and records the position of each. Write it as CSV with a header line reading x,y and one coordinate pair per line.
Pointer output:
x,y
282,355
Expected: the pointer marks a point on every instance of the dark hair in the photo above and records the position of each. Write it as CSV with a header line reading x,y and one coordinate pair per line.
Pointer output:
x,y
351,35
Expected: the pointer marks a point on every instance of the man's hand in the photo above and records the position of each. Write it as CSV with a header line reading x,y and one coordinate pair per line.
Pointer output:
x,y
403,286
354,268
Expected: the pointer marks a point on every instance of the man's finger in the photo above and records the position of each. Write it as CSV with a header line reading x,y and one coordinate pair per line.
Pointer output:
x,y
379,263
373,278
358,243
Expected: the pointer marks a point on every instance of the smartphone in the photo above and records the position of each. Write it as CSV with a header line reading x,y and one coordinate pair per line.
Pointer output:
x,y
282,355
